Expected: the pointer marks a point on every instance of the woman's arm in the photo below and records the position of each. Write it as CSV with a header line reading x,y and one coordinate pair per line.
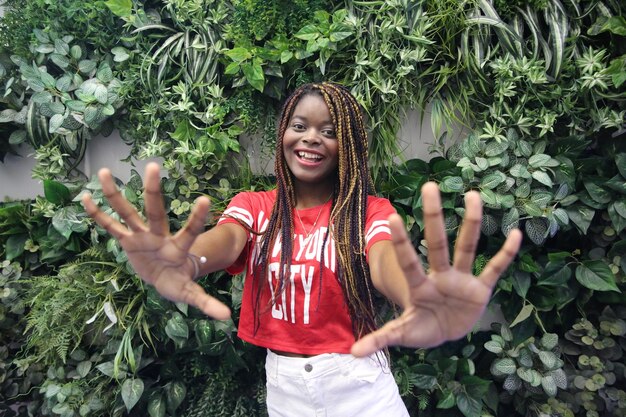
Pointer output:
x,y
221,246
387,275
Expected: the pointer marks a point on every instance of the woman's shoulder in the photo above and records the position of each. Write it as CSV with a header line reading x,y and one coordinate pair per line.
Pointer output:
x,y
256,197
375,200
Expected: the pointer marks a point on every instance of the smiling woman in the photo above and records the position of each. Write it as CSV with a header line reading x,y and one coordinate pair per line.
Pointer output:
x,y
310,285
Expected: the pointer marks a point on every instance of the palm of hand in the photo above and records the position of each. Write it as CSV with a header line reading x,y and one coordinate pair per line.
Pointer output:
x,y
159,261
444,304
159,258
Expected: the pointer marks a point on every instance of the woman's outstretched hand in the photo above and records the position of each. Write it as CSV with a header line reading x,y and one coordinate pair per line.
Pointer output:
x,y
445,303
159,258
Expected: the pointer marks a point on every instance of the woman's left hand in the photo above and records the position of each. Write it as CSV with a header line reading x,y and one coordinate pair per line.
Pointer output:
x,y
445,303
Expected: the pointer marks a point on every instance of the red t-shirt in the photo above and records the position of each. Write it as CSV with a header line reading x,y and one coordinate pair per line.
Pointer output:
x,y
306,319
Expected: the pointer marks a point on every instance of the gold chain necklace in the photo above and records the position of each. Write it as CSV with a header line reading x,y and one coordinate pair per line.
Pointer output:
x,y
307,233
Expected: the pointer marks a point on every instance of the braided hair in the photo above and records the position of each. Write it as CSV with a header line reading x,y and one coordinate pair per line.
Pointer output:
x,y
348,212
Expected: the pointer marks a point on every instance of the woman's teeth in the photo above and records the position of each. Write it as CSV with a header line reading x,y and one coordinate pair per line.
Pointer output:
x,y
309,156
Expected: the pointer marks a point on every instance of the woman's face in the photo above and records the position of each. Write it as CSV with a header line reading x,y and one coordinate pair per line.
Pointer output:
x,y
310,145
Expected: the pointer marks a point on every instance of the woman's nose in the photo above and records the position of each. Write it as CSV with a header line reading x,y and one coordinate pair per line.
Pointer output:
x,y
311,136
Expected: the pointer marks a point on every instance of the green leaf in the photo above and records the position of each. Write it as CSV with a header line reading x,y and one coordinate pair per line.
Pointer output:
x,y
176,327
44,48
86,66
47,79
254,75
596,275
238,54
510,221
581,216
105,74
542,177
156,406
494,347
503,366
184,132
549,385
549,340
555,275
232,68
549,359
451,185
60,60
492,180
521,283
121,8
616,25
132,389
307,33
64,83
482,163
340,35
67,221
470,407
83,368
15,246
620,160
598,193
532,209
55,123
536,229
425,376
120,54
76,52
175,394
539,160
101,94
524,313
488,197
447,401
55,192
512,383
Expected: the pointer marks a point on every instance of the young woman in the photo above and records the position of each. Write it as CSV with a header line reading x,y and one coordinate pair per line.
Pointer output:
x,y
315,251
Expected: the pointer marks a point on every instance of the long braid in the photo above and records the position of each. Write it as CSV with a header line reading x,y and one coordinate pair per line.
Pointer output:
x,y
348,212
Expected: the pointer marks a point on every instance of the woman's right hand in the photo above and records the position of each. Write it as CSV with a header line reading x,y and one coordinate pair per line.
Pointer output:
x,y
158,257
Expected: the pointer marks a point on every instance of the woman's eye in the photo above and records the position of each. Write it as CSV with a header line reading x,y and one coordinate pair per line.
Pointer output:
x,y
329,132
298,126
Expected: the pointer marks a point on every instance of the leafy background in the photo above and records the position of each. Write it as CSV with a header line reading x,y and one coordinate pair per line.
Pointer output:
x,y
536,88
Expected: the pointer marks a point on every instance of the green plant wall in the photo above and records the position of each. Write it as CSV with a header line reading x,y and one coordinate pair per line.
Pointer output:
x,y
538,87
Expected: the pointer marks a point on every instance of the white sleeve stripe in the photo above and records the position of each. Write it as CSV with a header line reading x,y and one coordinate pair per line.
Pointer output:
x,y
376,229
238,213
374,225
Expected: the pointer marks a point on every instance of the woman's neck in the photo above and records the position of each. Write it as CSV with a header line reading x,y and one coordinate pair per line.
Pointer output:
x,y
310,196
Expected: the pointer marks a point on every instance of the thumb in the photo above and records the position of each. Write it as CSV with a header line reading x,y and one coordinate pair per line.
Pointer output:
x,y
388,335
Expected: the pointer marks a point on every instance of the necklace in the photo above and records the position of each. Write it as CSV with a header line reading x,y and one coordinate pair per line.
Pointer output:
x,y
319,213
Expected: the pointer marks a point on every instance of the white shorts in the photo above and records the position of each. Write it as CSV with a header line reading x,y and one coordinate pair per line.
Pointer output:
x,y
331,385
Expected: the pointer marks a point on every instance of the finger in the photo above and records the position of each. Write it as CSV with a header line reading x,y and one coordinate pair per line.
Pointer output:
x,y
195,224
121,206
194,294
108,223
438,255
405,252
465,248
500,262
388,335
155,211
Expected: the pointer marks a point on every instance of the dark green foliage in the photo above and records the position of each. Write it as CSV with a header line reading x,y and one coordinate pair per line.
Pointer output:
x,y
257,20
509,8
539,86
